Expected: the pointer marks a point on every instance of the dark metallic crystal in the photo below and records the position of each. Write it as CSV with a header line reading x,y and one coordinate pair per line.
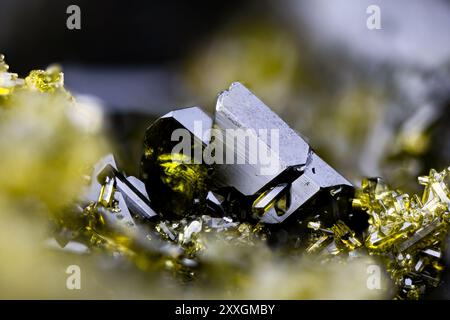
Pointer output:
x,y
176,187
300,175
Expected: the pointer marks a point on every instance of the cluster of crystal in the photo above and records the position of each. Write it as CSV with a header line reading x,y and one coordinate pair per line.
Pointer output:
x,y
49,80
118,217
182,202
333,240
179,201
407,233
256,165
121,198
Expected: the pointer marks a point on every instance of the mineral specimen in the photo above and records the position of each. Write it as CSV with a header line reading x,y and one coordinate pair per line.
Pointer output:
x,y
266,178
216,222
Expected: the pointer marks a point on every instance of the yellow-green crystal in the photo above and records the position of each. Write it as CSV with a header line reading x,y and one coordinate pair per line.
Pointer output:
x,y
49,80
406,232
45,81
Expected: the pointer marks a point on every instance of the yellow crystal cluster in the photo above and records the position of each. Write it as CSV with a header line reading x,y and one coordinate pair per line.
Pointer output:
x,y
44,150
48,80
332,240
406,232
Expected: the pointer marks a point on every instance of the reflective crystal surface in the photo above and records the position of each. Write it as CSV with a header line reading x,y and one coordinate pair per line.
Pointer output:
x,y
288,177
176,182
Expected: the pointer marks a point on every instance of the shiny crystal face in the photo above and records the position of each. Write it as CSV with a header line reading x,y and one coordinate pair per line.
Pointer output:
x,y
298,175
175,183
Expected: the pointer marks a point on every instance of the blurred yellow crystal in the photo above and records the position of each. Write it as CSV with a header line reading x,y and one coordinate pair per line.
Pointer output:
x,y
43,156
46,81
8,81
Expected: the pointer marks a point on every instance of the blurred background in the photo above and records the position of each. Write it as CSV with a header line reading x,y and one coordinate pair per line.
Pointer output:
x,y
371,102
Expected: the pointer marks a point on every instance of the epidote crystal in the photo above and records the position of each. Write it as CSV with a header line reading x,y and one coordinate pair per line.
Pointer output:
x,y
406,232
